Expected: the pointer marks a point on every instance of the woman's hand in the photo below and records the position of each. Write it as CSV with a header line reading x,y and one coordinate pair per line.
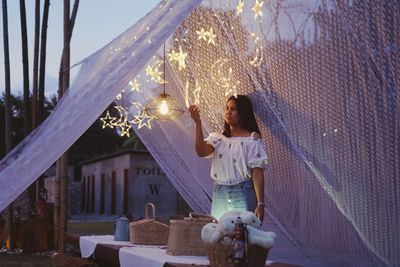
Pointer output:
x,y
260,212
195,113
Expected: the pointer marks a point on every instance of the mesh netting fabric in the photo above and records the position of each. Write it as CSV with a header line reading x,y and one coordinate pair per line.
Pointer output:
x,y
323,77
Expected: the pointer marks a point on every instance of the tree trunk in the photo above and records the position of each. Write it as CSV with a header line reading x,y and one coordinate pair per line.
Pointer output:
x,y
35,65
25,68
42,67
25,65
64,81
8,114
35,109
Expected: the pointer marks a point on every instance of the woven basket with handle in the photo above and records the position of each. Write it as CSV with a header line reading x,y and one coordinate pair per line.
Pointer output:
x,y
148,231
185,235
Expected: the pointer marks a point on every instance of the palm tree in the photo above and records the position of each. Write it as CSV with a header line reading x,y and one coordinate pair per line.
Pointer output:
x,y
62,162
25,65
35,65
42,64
8,114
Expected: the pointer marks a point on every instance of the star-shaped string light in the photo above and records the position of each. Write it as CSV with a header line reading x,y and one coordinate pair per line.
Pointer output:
x,y
108,121
125,128
154,72
142,120
135,85
173,55
181,59
202,34
239,8
211,36
258,9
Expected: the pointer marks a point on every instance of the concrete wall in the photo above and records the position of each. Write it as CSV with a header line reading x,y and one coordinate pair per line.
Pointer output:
x,y
150,184
147,183
117,164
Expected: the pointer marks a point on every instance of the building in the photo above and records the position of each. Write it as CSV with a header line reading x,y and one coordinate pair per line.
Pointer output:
x,y
123,182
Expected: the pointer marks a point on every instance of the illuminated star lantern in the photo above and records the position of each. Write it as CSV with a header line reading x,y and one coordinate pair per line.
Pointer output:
x,y
202,34
257,9
134,85
125,127
239,8
108,121
181,58
211,36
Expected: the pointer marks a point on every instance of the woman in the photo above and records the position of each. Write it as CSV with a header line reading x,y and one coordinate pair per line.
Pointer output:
x,y
238,159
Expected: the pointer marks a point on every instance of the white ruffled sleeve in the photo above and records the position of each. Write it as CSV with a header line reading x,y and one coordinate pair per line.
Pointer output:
x,y
213,139
256,155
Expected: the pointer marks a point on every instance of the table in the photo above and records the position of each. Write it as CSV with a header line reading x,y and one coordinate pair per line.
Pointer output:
x,y
109,255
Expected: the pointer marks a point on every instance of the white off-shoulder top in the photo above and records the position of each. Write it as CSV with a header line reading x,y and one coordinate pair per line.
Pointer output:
x,y
234,157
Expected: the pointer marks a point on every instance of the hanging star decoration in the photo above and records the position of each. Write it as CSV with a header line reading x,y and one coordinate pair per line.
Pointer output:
x,y
207,36
239,8
202,34
257,9
154,72
108,121
142,120
211,36
125,128
135,85
173,55
180,57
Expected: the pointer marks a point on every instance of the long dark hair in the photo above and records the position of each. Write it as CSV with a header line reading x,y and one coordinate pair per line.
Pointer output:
x,y
246,115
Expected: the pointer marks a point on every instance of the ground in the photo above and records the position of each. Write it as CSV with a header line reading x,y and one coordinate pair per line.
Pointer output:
x,y
49,258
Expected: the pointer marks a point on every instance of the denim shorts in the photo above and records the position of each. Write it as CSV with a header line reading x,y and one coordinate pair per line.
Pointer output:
x,y
240,197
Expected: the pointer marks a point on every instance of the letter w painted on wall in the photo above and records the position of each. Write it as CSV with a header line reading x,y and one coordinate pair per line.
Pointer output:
x,y
154,188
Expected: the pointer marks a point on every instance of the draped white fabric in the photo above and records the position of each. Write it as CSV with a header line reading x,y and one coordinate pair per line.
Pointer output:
x,y
324,80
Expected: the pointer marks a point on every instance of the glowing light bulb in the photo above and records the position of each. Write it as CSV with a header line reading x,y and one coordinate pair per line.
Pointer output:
x,y
163,108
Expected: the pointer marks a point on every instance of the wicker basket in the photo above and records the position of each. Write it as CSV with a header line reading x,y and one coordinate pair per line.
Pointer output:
x,y
219,256
148,231
185,235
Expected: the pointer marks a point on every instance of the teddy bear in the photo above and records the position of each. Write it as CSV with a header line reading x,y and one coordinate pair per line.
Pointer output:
x,y
260,238
249,218
222,232
211,233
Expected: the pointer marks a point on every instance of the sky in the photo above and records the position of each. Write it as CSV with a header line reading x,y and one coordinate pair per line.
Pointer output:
x,y
97,23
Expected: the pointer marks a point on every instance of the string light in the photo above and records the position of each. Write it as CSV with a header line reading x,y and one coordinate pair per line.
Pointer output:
x,y
257,9
239,8
108,121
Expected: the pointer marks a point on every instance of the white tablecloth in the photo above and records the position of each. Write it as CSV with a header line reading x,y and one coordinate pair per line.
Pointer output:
x,y
154,257
88,244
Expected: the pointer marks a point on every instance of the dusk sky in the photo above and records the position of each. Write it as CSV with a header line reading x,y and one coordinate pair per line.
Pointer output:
x,y
97,23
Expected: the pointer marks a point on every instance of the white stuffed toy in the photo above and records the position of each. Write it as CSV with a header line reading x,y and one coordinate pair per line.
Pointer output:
x,y
211,233
260,238
250,218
